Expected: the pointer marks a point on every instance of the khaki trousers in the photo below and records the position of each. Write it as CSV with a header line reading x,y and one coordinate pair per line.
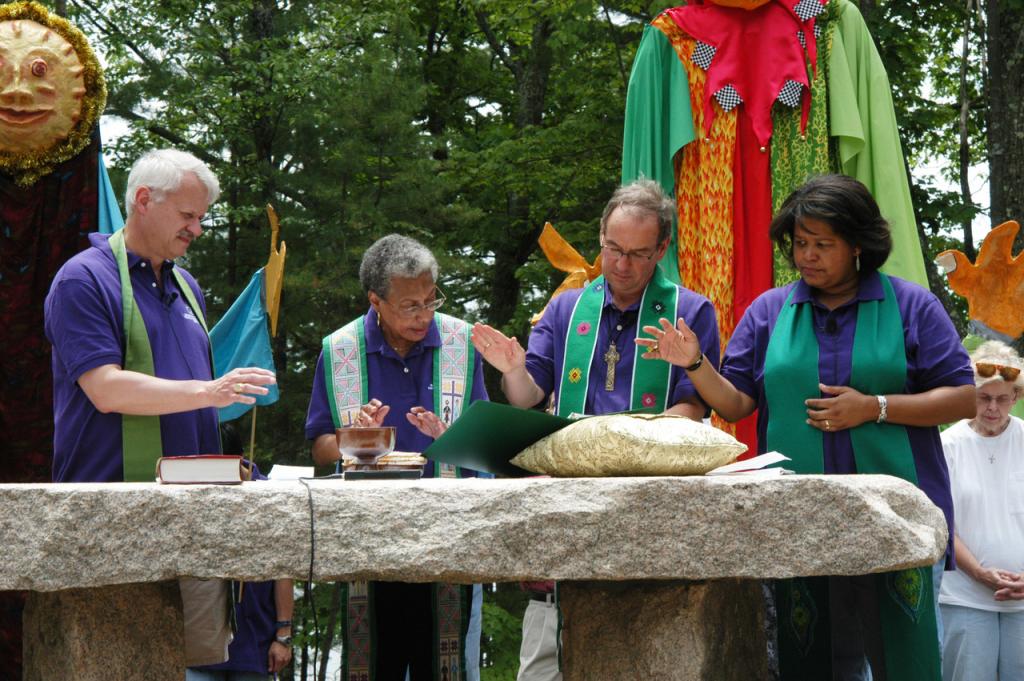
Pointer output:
x,y
538,654
204,604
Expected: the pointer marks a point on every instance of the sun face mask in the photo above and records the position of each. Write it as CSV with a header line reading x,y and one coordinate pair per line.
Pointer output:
x,y
41,87
51,91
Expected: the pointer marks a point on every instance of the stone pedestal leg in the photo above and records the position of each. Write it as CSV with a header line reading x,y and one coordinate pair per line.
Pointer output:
x,y
645,631
125,632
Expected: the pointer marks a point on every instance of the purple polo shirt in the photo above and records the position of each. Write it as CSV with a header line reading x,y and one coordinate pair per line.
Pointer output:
x,y
547,348
401,383
83,320
935,357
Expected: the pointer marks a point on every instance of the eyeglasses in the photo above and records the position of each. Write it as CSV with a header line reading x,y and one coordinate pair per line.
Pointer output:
x,y
410,311
988,370
615,253
1000,400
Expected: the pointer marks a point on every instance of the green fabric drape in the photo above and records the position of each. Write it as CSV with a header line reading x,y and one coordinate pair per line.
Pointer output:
x,y
649,379
863,120
141,443
659,122
905,598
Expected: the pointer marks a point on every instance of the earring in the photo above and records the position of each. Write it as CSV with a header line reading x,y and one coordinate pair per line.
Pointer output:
x,y
857,261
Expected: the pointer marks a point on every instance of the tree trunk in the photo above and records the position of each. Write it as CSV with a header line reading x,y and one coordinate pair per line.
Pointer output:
x,y
1005,42
531,67
965,142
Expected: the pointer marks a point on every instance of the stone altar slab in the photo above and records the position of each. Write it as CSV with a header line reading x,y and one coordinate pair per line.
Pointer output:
x,y
619,545
60,536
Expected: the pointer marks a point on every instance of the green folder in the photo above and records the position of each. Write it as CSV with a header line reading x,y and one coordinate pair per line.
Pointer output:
x,y
488,435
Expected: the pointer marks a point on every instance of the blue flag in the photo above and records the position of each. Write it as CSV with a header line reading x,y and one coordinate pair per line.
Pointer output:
x,y
242,339
110,219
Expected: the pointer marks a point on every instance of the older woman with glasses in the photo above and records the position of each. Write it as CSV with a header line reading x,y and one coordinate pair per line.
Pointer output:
x,y
983,601
406,365
850,371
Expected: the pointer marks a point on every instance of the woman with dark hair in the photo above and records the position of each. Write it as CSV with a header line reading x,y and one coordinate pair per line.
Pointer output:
x,y
850,371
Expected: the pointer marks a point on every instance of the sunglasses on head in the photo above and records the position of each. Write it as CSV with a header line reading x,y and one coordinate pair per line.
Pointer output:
x,y
988,370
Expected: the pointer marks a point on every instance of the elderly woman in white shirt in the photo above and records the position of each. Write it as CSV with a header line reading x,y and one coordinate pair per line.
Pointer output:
x,y
983,601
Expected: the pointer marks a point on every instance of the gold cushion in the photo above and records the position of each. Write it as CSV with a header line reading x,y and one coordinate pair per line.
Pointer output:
x,y
630,445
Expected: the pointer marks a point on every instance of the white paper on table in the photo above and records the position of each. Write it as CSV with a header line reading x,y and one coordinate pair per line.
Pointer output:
x,y
757,463
282,472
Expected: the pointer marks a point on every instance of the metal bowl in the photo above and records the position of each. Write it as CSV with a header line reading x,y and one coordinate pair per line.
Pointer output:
x,y
365,446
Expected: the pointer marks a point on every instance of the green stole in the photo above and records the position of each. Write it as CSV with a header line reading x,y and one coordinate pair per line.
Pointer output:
x,y
141,445
345,378
905,598
649,380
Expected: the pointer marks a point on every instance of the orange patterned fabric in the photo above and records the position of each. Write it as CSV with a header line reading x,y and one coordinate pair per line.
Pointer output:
x,y
704,188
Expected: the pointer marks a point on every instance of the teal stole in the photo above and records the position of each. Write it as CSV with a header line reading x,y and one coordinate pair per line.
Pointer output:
x,y
649,381
141,444
905,598
345,378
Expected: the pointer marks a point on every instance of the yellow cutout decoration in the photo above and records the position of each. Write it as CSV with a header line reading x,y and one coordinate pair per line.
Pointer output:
x,y
51,91
994,284
274,271
562,256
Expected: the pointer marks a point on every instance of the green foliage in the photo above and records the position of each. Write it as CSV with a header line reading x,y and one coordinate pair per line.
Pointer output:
x,y
921,44
502,618
466,125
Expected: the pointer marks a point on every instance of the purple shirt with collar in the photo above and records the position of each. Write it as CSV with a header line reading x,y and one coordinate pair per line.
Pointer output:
x,y
85,326
401,383
546,349
935,357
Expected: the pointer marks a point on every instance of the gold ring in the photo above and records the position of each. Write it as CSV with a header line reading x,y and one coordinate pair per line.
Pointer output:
x,y
828,426
654,348
238,388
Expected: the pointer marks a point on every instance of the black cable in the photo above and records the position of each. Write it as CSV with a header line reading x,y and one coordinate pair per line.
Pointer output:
x,y
308,597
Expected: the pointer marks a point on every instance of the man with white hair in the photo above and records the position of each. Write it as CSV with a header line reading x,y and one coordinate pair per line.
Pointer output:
x,y
132,370
132,377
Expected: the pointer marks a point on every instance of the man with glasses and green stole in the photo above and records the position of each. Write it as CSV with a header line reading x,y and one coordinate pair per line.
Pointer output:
x,y
402,364
132,365
582,351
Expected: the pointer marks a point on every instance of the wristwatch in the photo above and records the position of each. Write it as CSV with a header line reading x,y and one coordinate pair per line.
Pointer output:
x,y
283,640
695,365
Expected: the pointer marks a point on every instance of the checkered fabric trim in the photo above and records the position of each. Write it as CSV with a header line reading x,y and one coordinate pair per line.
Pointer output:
x,y
808,9
790,93
728,98
703,54
803,39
